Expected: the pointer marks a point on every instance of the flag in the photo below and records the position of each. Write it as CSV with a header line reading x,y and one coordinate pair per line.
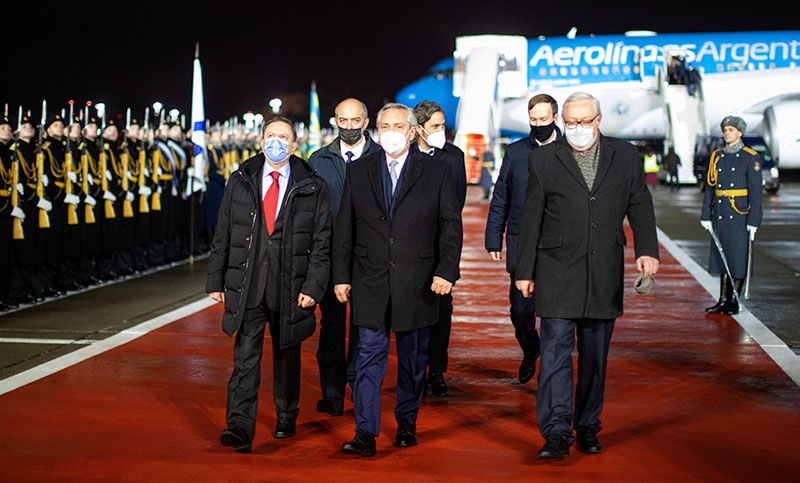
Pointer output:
x,y
314,136
197,181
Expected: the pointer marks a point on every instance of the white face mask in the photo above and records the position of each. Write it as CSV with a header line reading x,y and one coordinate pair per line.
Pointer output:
x,y
436,139
393,142
579,137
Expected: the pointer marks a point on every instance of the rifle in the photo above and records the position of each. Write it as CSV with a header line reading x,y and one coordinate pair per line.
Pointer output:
x,y
88,210
127,206
18,233
44,218
72,210
143,204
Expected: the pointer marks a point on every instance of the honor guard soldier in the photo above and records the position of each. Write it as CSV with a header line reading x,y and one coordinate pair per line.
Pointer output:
x,y
732,211
110,181
62,248
141,184
216,176
10,213
30,279
93,206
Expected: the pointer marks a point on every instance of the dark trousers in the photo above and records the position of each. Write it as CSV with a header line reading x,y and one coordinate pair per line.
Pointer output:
x,y
373,357
440,336
246,378
336,356
523,317
554,402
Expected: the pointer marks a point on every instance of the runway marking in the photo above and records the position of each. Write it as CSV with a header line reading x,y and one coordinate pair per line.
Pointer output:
x,y
775,348
98,347
23,340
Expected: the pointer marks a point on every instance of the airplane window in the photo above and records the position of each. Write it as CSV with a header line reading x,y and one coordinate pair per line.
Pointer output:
x,y
543,71
449,73
564,71
615,69
573,71
595,70
605,70
720,67
439,75
553,71
584,70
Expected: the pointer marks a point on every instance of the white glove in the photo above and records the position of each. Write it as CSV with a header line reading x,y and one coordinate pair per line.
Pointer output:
x,y
159,190
129,196
45,205
751,230
107,195
174,191
706,224
20,188
90,178
190,172
45,180
89,200
158,170
146,173
145,190
17,212
72,176
71,199
108,175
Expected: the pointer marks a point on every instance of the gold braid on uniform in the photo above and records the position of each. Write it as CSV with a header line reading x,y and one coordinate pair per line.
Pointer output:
x,y
29,173
115,165
5,174
712,168
57,172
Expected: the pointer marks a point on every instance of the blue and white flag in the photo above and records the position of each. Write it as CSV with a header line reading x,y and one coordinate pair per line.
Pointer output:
x,y
197,178
314,136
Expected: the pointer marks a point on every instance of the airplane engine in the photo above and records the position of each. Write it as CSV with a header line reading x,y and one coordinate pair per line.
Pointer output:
x,y
782,133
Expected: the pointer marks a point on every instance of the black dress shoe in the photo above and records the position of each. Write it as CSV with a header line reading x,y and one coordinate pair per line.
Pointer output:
x,y
285,428
331,405
363,443
588,442
527,369
406,435
237,439
438,385
555,447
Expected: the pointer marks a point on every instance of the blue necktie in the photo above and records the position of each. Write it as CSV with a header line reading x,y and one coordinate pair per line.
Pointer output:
x,y
392,174
349,155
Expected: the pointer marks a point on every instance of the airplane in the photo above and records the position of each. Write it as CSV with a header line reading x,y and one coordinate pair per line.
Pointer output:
x,y
754,75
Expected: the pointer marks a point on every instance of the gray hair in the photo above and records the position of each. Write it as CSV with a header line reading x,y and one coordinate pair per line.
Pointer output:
x,y
412,119
584,96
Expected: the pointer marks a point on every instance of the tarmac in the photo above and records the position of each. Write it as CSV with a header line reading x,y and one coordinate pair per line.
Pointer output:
x,y
128,381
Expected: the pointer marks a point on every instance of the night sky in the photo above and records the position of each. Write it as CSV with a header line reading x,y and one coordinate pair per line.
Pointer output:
x,y
130,54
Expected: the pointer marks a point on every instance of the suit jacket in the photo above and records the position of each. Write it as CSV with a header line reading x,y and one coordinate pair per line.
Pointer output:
x,y
571,236
391,254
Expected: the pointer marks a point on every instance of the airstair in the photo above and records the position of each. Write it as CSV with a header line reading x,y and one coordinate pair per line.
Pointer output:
x,y
685,114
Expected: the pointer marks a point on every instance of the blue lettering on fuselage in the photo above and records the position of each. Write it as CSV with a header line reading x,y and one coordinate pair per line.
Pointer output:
x,y
615,58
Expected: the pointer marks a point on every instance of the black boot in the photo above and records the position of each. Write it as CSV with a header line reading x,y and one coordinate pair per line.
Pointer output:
x,y
723,295
732,307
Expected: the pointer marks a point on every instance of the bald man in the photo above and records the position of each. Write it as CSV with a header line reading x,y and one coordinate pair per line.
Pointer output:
x,y
335,358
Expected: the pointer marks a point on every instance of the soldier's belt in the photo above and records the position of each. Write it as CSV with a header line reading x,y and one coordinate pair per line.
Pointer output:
x,y
739,192
5,193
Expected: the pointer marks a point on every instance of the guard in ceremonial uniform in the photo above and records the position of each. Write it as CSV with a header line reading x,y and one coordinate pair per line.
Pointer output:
x,y
8,211
60,250
142,185
216,177
29,279
732,209
93,206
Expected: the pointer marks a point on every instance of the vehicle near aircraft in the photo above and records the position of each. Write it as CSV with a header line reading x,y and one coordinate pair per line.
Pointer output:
x,y
705,145
669,87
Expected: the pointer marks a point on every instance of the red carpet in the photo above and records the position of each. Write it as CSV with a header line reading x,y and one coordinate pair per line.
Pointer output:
x,y
687,398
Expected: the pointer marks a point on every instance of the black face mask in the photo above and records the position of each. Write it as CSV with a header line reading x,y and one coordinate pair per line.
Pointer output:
x,y
543,133
350,136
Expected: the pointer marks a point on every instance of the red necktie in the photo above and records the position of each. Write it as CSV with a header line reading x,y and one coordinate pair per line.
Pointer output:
x,y
271,202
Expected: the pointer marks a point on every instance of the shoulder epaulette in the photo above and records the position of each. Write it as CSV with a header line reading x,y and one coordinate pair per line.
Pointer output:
x,y
750,150
82,145
46,144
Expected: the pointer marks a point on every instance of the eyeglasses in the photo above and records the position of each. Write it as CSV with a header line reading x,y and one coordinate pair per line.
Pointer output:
x,y
583,123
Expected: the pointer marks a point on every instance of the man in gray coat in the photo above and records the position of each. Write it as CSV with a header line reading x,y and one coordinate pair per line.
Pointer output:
x,y
571,240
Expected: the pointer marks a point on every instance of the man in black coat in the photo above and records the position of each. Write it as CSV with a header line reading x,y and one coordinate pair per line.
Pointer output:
x,y
337,360
431,140
571,244
505,211
269,263
397,244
